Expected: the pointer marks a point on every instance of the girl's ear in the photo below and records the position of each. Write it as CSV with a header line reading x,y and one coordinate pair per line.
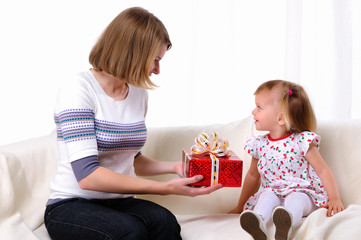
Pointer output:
x,y
281,119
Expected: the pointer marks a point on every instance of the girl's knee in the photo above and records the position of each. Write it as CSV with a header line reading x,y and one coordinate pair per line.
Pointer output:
x,y
300,199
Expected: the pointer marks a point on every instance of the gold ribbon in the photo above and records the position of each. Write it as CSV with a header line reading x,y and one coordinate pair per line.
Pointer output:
x,y
205,144
215,147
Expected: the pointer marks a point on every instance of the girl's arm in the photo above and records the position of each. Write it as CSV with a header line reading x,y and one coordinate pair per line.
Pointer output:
x,y
105,180
250,186
334,204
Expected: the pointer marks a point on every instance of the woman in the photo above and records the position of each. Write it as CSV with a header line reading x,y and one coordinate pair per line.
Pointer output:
x,y
101,128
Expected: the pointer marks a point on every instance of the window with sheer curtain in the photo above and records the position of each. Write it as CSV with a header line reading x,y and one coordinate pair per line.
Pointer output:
x,y
222,50
323,53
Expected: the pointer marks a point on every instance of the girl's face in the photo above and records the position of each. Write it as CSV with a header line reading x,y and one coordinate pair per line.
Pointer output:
x,y
267,111
155,68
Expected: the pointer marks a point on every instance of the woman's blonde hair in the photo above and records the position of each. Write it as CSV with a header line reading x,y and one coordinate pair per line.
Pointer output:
x,y
129,45
295,105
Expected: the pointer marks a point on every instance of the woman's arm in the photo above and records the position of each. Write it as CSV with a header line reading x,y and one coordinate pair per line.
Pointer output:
x,y
334,204
145,166
250,186
105,180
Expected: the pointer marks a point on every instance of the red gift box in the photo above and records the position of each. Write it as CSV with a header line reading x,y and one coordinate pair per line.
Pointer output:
x,y
229,169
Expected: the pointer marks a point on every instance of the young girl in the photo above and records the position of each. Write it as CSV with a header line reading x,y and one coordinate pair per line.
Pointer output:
x,y
288,178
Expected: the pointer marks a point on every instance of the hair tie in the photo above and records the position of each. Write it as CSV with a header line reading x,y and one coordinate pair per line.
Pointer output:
x,y
290,92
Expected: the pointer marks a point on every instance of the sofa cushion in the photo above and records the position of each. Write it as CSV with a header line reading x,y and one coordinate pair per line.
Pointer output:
x,y
317,226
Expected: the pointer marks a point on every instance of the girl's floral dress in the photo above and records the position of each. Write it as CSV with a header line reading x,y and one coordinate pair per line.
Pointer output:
x,y
284,168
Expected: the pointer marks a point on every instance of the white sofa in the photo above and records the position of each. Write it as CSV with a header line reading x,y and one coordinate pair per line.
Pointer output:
x,y
27,167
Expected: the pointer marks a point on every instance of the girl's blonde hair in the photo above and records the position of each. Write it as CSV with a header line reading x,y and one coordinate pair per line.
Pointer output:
x,y
129,45
295,105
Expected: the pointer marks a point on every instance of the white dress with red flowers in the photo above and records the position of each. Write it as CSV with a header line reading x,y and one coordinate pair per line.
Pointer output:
x,y
284,168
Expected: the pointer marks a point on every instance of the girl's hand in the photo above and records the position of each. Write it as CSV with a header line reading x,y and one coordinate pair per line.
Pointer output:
x,y
180,186
237,210
333,206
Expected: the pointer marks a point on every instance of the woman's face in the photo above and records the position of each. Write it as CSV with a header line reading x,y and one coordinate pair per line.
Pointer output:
x,y
155,68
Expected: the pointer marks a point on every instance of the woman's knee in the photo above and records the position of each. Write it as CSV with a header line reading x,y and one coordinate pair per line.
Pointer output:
x,y
85,220
164,217
164,224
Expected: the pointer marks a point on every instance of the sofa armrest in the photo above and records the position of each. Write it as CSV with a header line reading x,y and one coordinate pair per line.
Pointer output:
x,y
26,169
340,147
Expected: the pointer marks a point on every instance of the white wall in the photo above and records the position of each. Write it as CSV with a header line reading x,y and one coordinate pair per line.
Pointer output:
x,y
221,51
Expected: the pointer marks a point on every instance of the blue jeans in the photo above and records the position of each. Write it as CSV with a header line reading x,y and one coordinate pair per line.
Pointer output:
x,y
110,219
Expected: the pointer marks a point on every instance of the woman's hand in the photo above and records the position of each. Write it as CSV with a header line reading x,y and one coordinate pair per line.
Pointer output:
x,y
180,186
178,169
333,206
